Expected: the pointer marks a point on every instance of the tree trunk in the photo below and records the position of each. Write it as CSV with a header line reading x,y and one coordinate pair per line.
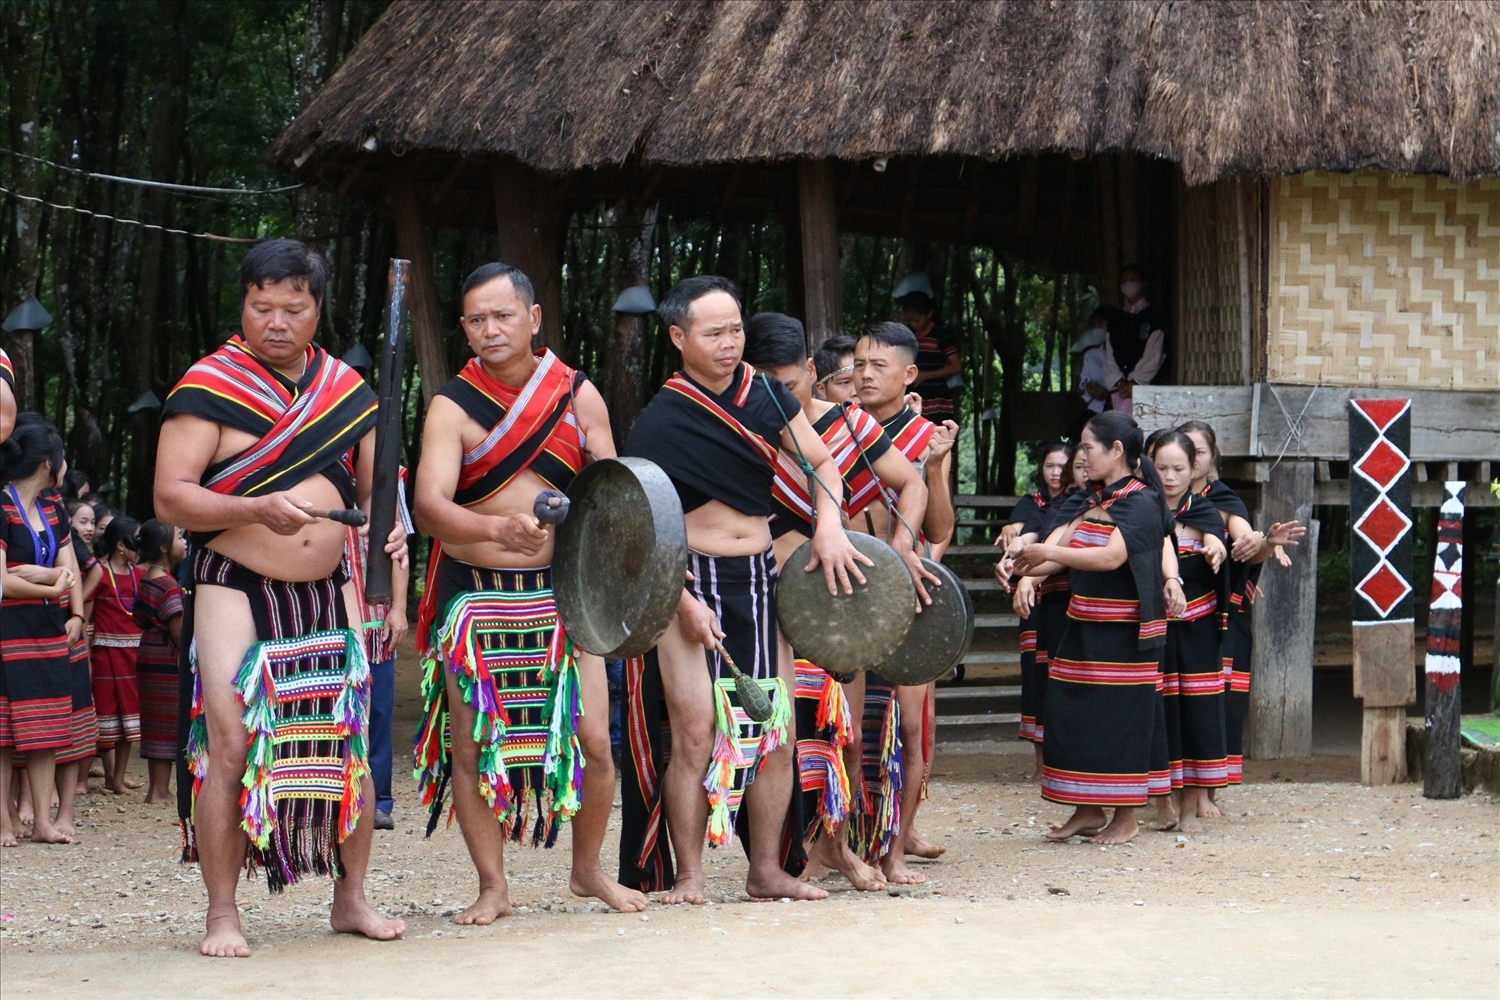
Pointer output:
x,y
23,257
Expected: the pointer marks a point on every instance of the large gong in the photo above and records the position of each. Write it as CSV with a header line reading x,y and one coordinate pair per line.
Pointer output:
x,y
939,636
621,557
846,632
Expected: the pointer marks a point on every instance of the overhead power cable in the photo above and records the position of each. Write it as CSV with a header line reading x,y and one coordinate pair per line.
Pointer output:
x,y
141,182
129,222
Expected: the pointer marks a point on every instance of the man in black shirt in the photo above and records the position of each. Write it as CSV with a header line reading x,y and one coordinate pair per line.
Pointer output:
x,y
1136,347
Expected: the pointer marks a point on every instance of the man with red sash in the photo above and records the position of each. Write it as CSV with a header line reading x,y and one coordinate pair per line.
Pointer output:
x,y
885,365
718,429
256,439
776,344
523,711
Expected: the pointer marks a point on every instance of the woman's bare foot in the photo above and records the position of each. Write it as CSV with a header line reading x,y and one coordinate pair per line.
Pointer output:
x,y
777,884
160,799
96,768
224,939
492,904
47,833
83,787
828,852
601,887
1121,830
116,788
893,865
1085,821
356,916
1166,815
7,836
134,784
25,814
1206,807
689,889
920,848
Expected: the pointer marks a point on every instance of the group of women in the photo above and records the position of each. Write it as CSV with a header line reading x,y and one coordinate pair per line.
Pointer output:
x,y
1131,569
90,613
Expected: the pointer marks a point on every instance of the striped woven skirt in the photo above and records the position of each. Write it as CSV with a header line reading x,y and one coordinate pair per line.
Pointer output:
x,y
1102,700
498,635
741,591
117,700
1235,659
305,686
875,814
1040,632
1193,684
822,733
85,726
36,676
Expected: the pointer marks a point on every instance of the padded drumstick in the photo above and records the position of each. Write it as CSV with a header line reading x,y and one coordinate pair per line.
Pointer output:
x,y
551,507
352,516
753,697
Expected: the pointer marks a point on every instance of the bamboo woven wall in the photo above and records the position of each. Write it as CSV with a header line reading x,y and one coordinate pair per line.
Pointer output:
x,y
1220,312
1385,280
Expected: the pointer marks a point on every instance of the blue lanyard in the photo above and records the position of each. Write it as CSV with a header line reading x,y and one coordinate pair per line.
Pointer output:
x,y
45,552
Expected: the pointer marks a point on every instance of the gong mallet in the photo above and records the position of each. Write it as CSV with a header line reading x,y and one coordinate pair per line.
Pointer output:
x,y
352,516
387,478
753,697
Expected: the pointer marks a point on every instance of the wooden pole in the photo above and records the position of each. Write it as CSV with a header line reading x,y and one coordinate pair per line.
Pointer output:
x,y
822,278
1442,766
1380,563
527,220
411,243
1285,621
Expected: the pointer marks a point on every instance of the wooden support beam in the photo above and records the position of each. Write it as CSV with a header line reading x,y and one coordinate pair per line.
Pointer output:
x,y
1279,723
531,238
411,243
1383,746
822,278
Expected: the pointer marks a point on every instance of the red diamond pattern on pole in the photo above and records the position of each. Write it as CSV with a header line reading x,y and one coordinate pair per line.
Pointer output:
x,y
1383,525
1382,464
1384,587
1381,412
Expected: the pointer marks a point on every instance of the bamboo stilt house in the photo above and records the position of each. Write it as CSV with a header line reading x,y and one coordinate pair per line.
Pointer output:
x,y
1315,187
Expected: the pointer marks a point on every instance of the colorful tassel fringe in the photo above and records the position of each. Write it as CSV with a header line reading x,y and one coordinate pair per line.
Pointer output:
x,y
739,748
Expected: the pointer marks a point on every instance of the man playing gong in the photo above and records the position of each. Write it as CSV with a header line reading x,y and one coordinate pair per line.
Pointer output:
x,y
885,364
776,344
717,428
522,709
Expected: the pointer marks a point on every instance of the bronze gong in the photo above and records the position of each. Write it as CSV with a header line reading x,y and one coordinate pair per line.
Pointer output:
x,y
846,632
620,558
939,636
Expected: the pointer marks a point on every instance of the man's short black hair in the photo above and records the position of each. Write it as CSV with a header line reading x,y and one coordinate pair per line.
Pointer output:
x,y
830,355
775,340
284,260
920,301
486,273
893,334
675,305
1137,269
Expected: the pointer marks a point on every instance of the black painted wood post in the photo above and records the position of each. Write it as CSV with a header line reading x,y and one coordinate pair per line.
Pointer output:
x,y
1442,766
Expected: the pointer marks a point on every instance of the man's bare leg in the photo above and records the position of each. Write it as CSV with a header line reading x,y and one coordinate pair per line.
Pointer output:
x,y
831,852
225,630
592,819
66,779
916,844
483,834
1085,821
767,799
7,828
1121,830
684,675
352,913
913,707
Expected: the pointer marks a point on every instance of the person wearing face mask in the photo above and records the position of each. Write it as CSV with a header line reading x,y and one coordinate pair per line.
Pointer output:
x,y
1136,347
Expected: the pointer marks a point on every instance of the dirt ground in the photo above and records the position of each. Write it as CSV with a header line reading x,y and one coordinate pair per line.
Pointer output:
x,y
1312,886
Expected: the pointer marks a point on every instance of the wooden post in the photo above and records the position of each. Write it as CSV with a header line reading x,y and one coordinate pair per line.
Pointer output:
x,y
531,238
822,280
1285,621
1380,563
1442,766
411,243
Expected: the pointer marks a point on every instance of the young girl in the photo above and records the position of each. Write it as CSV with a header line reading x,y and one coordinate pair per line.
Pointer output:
x,y
1041,606
1193,689
1249,549
81,516
116,637
1102,683
38,621
158,612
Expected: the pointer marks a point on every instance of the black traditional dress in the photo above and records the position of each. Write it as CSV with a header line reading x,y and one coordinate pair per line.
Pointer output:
x,y
1193,683
36,669
1238,641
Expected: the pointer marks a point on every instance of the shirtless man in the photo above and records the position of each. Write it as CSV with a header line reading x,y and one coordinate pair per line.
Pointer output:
x,y
885,365
512,424
716,428
264,566
776,344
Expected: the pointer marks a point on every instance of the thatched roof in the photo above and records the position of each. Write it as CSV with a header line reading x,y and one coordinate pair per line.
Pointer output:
x,y
1222,88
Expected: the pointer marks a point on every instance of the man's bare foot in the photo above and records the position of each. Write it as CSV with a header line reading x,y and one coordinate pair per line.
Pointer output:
x,y
815,871
1121,830
689,889
893,865
356,916
828,853
47,833
224,939
1085,821
917,847
600,886
1166,815
777,884
492,904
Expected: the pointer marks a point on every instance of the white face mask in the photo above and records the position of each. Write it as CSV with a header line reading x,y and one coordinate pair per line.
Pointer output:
x,y
1130,289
